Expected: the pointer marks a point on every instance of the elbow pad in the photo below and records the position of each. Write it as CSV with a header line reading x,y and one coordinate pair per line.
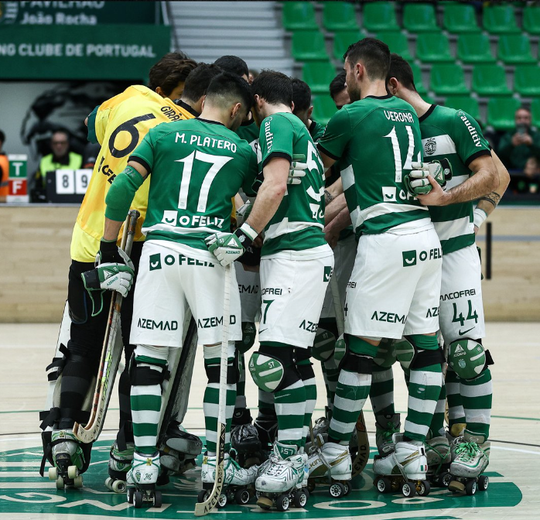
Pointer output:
x,y
121,193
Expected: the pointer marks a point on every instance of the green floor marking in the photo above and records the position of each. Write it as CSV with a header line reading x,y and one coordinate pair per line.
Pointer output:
x,y
22,489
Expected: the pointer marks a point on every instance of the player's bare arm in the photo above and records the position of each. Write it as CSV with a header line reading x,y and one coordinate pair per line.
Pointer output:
x,y
333,228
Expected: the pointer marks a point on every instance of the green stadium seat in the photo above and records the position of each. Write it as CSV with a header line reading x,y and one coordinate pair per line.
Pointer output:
x,y
339,16
419,17
448,78
418,82
474,48
323,109
433,48
309,46
318,75
465,103
527,80
379,16
535,112
501,112
299,16
397,42
500,19
514,49
490,80
531,19
342,40
460,18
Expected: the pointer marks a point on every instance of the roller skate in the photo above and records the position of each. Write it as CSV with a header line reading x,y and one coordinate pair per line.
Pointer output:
x,y
68,458
330,464
178,451
472,458
237,485
142,478
245,439
119,465
438,459
283,478
359,446
385,427
404,469
321,425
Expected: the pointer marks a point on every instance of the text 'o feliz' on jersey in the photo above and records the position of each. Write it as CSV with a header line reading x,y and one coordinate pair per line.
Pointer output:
x,y
454,135
196,167
299,220
119,125
376,140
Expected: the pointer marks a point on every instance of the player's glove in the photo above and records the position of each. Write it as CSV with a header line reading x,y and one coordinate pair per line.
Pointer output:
x,y
417,182
109,276
228,247
296,172
110,253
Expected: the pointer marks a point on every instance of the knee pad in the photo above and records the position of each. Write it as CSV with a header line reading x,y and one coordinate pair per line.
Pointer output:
x,y
468,358
357,363
248,337
323,346
273,368
303,363
410,355
148,366
386,355
212,364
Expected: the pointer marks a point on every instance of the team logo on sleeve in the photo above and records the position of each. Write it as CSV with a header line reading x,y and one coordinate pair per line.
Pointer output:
x,y
430,146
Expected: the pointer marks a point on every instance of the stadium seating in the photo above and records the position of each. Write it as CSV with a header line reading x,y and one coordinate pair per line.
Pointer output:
x,y
531,19
466,103
342,40
318,75
535,112
527,80
490,80
397,42
515,48
501,112
308,46
323,109
379,16
433,47
448,79
500,19
460,18
419,17
417,75
474,48
299,16
339,16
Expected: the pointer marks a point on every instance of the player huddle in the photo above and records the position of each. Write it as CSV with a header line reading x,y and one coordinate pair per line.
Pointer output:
x,y
353,245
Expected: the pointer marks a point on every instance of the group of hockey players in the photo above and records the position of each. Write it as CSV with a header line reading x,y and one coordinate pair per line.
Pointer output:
x,y
250,209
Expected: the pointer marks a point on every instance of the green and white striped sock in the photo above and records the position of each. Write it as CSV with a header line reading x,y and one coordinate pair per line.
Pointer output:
x,y
456,412
477,397
381,394
290,405
330,372
310,386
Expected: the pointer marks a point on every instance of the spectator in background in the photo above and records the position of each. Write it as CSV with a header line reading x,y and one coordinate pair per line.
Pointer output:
x,y
4,170
531,180
517,146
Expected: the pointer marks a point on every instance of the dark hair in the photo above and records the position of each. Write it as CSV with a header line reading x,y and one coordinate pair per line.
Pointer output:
x,y
337,85
198,80
274,87
227,87
2,137
233,64
401,70
168,72
301,95
374,54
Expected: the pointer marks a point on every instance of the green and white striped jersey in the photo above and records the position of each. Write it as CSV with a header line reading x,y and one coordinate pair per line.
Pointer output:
x,y
376,139
299,221
197,167
456,136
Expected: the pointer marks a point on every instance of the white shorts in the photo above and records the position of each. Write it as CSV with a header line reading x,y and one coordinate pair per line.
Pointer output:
x,y
344,255
172,277
394,286
292,294
250,293
462,310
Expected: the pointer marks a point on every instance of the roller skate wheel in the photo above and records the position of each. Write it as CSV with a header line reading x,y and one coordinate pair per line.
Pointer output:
x,y
222,501
283,502
483,482
423,488
129,496
137,499
264,502
383,485
203,495
408,490
78,481
119,486
157,499
456,486
108,483
59,483
300,498
347,486
471,487
242,496
72,472
336,490
53,473
445,479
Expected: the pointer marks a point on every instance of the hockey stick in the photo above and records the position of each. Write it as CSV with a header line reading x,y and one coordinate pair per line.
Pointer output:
x,y
111,352
203,508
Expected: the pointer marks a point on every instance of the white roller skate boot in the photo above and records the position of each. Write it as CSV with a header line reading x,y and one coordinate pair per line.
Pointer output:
x,y
142,478
68,459
472,458
438,460
282,479
119,465
331,464
236,485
